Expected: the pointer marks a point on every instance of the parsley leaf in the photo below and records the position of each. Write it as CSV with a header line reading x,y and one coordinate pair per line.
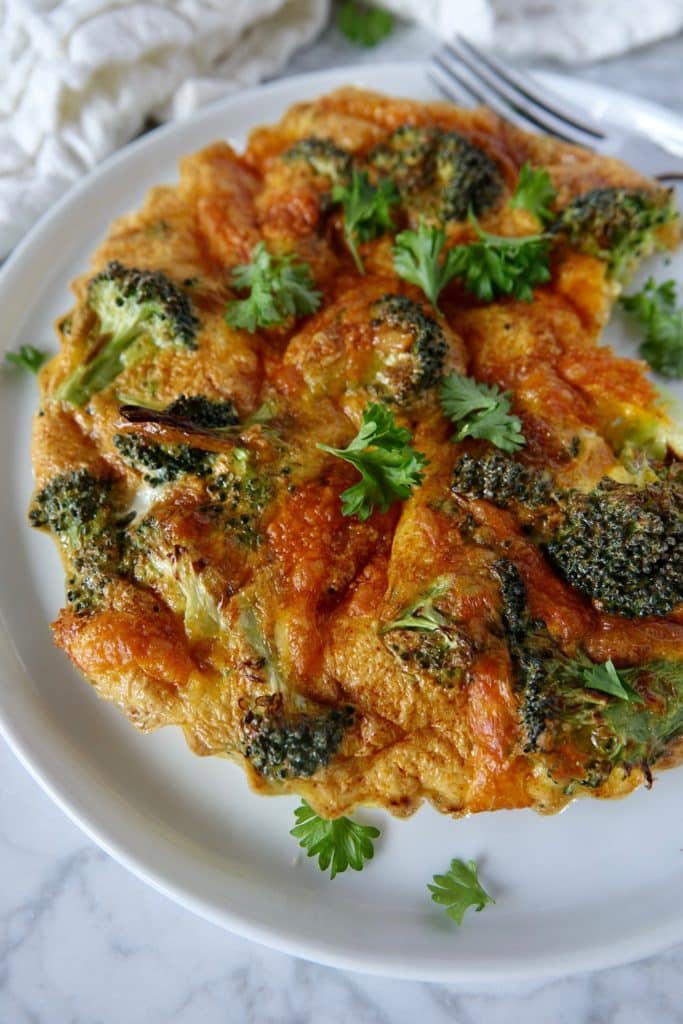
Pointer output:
x,y
338,844
606,678
417,258
278,288
481,410
655,307
366,209
27,358
364,25
459,889
388,464
496,265
534,192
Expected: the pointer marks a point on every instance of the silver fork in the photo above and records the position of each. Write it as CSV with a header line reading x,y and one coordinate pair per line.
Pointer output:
x,y
461,70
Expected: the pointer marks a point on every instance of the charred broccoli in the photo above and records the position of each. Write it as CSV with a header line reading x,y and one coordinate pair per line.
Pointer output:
x,y
78,508
238,488
286,746
279,741
401,376
441,174
324,157
617,225
425,639
204,412
163,463
502,481
583,733
134,307
620,544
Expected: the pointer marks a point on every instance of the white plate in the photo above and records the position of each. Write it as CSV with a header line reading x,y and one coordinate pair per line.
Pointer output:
x,y
600,884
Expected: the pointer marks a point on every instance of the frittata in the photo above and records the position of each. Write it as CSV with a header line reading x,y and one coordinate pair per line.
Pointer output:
x,y
500,628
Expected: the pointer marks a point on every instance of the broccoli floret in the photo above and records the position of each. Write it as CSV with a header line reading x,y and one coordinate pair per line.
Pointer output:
x,y
155,560
204,412
501,480
426,640
399,376
239,488
72,505
241,493
163,463
441,174
135,308
582,734
78,508
620,544
617,225
535,657
324,157
285,746
193,414
284,741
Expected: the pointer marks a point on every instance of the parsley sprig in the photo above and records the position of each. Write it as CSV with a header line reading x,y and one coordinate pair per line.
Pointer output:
x,y
278,288
338,844
481,410
418,259
459,889
27,358
499,265
655,307
364,25
606,678
388,464
366,210
534,192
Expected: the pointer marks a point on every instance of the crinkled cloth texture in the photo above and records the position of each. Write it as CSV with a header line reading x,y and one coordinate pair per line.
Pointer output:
x,y
572,31
78,78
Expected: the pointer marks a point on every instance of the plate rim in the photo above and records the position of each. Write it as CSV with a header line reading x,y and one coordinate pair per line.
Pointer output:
x,y
624,950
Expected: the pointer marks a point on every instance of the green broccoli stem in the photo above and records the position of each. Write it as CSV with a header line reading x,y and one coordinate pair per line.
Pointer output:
x,y
129,303
422,614
92,377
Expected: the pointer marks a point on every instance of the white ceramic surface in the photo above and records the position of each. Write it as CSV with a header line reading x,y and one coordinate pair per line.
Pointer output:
x,y
571,890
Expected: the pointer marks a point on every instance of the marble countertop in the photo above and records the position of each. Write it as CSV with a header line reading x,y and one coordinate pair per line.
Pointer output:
x,y
84,942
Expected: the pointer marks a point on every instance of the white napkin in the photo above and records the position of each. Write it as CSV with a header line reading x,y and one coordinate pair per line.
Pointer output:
x,y
582,30
567,30
78,78
82,76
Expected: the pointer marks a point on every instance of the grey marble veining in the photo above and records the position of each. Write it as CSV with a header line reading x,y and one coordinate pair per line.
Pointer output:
x,y
84,942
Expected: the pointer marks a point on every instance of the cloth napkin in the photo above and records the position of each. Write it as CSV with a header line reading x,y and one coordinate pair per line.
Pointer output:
x,y
79,78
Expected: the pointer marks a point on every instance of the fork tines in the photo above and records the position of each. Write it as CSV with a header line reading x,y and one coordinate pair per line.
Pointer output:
x,y
461,70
